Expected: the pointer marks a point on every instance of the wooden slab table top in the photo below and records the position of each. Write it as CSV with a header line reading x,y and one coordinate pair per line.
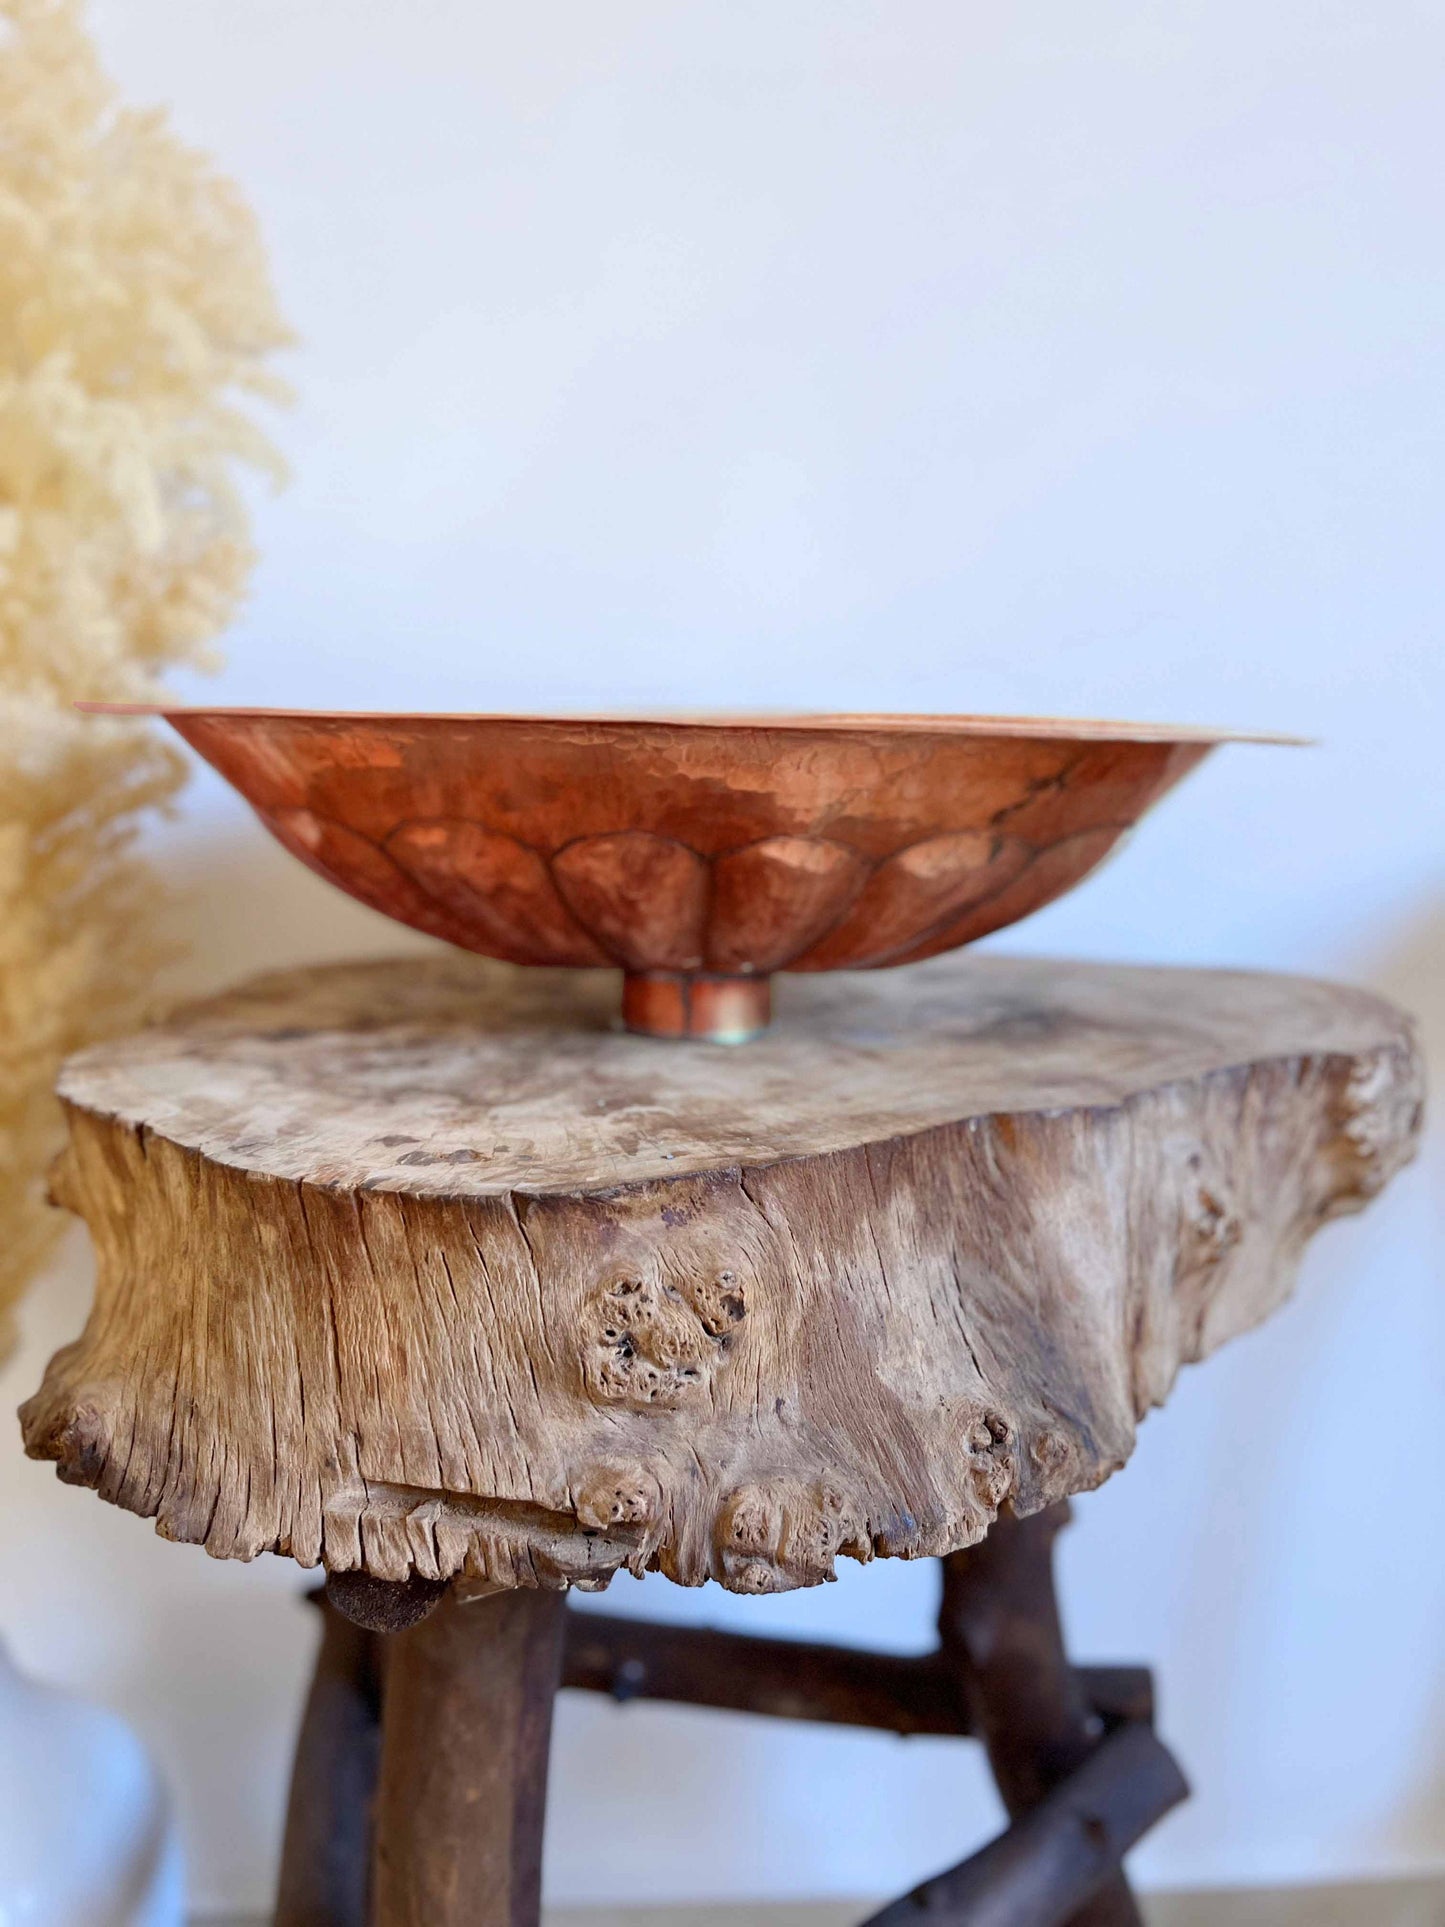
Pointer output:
x,y
423,1272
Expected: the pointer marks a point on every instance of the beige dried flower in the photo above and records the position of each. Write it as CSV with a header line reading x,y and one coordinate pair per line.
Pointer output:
x,y
135,317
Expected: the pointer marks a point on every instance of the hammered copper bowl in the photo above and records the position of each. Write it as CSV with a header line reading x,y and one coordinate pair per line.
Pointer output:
x,y
698,856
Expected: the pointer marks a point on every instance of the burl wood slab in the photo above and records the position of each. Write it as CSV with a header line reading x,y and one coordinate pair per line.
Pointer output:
x,y
421,1268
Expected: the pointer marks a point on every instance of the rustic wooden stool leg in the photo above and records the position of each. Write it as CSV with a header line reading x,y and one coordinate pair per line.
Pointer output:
x,y
466,1728
324,1862
999,1619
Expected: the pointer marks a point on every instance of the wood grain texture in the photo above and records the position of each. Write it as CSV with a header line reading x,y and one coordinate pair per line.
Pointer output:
x,y
463,1783
418,1268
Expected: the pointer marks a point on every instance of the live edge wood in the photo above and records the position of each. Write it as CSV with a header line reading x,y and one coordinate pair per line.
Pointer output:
x,y
418,1268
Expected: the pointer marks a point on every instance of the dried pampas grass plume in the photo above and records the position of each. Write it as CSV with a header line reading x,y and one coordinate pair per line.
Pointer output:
x,y
135,317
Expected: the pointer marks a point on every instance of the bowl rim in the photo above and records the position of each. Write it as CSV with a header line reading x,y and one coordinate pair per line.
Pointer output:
x,y
1078,729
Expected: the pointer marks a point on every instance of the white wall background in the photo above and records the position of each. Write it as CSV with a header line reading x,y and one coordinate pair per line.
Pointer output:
x,y
874,353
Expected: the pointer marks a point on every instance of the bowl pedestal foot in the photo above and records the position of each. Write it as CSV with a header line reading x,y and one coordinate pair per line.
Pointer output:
x,y
715,1010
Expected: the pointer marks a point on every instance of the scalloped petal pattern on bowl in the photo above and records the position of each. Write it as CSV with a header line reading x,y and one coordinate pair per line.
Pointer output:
x,y
697,849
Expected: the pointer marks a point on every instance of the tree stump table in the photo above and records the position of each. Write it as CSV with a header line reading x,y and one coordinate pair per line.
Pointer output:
x,y
422,1272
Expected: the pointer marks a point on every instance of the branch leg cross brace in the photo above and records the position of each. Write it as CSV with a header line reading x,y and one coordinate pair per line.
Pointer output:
x,y
434,1718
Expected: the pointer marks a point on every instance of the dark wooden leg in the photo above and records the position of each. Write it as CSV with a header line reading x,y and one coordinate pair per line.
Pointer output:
x,y
1049,1865
325,1857
999,1622
465,1736
795,1679
468,1697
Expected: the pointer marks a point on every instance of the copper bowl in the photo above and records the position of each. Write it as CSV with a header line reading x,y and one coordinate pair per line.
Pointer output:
x,y
697,855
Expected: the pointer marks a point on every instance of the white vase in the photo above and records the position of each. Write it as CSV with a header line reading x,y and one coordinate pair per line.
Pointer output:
x,y
87,1838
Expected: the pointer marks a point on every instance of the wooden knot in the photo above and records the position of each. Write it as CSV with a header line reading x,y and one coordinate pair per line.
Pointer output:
x,y
1051,1451
1378,1122
1209,1225
992,1467
779,1534
613,1496
647,1341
